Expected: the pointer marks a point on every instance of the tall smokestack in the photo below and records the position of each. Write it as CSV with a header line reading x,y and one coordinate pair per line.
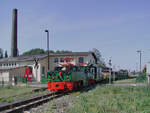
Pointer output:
x,y
14,49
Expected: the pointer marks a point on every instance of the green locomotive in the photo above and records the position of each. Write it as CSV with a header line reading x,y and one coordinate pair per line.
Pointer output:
x,y
68,78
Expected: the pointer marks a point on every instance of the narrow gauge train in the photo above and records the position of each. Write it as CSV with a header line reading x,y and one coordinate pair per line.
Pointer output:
x,y
118,75
68,78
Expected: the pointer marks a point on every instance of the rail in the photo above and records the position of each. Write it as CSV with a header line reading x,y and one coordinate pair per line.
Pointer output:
x,y
20,106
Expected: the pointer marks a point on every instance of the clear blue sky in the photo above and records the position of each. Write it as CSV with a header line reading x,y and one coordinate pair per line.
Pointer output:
x,y
118,28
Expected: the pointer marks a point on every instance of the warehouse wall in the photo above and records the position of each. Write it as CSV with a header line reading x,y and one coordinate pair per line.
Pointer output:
x,y
4,76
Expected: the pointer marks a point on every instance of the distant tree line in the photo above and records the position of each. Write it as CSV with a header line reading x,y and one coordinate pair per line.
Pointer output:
x,y
41,51
3,54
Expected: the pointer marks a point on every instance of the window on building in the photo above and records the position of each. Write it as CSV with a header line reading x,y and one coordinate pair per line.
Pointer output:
x,y
62,60
43,69
56,60
81,60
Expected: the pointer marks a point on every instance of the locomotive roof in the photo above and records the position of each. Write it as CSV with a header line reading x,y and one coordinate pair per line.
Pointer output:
x,y
41,56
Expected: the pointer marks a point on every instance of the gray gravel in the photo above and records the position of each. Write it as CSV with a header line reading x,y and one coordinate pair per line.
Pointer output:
x,y
58,105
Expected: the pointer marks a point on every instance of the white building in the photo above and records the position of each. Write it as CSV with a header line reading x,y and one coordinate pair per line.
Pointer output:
x,y
7,65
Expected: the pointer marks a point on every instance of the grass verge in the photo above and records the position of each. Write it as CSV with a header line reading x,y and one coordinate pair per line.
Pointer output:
x,y
133,80
113,99
10,94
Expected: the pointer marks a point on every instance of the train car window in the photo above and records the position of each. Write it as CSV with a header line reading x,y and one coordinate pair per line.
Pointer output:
x,y
81,60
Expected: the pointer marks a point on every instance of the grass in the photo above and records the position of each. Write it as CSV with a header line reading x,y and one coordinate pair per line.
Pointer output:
x,y
139,79
10,94
113,99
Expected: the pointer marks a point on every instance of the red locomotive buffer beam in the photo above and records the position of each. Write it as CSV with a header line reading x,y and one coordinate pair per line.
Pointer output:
x,y
63,86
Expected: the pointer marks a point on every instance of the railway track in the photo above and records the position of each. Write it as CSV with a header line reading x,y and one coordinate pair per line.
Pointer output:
x,y
19,107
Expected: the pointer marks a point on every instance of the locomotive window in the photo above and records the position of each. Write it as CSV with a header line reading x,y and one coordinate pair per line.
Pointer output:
x,y
56,60
81,59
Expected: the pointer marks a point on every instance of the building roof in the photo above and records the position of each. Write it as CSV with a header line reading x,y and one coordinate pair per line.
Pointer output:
x,y
41,56
9,68
22,58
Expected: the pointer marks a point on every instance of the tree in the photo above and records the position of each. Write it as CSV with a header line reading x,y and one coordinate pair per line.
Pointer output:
x,y
99,58
34,52
1,53
6,55
41,51
50,51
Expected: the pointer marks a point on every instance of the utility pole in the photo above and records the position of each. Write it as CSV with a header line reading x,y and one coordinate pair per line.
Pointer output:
x,y
47,48
114,73
139,51
109,71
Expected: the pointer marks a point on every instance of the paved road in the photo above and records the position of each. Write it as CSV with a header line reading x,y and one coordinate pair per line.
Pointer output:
x,y
3,84
115,84
129,84
38,85
30,84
